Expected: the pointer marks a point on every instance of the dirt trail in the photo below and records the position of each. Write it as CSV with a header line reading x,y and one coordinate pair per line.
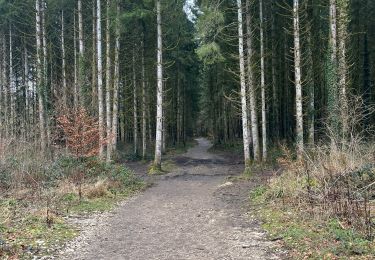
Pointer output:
x,y
192,213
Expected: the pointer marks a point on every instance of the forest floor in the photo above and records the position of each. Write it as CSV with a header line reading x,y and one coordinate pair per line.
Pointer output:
x,y
199,210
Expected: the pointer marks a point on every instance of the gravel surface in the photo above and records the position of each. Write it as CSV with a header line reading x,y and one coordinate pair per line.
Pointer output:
x,y
192,213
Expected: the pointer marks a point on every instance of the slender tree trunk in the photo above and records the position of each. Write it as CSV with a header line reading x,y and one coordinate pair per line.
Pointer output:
x,y
94,97
76,87
63,67
100,78
116,83
332,75
298,81
40,78
159,95
80,55
245,128
12,86
108,80
343,22
252,94
263,83
311,83
45,72
144,134
275,98
27,114
5,87
135,108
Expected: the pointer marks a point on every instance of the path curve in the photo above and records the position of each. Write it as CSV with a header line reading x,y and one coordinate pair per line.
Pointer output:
x,y
193,213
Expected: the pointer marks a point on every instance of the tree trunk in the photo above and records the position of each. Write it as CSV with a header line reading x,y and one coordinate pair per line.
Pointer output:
x,y
80,55
343,66
310,82
298,81
263,84
100,78
275,98
116,83
94,77
245,129
65,88
135,108
252,94
108,80
12,86
40,78
144,134
159,95
76,87
332,75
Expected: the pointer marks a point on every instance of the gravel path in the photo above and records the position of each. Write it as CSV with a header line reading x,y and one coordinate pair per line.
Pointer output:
x,y
192,213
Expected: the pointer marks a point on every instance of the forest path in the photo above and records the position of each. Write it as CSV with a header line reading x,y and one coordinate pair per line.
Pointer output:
x,y
191,213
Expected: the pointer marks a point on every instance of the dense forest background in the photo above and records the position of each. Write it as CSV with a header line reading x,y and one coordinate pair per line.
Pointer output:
x,y
49,61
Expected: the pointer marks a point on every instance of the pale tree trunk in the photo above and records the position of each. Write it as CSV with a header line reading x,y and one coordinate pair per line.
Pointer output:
x,y
333,30
100,78
108,80
135,108
263,83
5,87
298,81
159,94
116,82
45,65
12,86
333,106
76,98
94,78
40,78
245,128
144,134
80,55
27,114
252,93
65,88
343,22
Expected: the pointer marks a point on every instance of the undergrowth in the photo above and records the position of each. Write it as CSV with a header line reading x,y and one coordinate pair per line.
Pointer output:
x,y
322,207
39,194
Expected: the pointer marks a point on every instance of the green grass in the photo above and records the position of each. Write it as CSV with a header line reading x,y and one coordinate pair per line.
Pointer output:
x,y
306,236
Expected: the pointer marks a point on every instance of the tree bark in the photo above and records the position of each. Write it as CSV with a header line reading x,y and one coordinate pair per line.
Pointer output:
x,y
263,83
63,67
100,78
252,94
144,134
298,81
116,83
80,55
40,78
135,108
108,81
245,129
159,93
